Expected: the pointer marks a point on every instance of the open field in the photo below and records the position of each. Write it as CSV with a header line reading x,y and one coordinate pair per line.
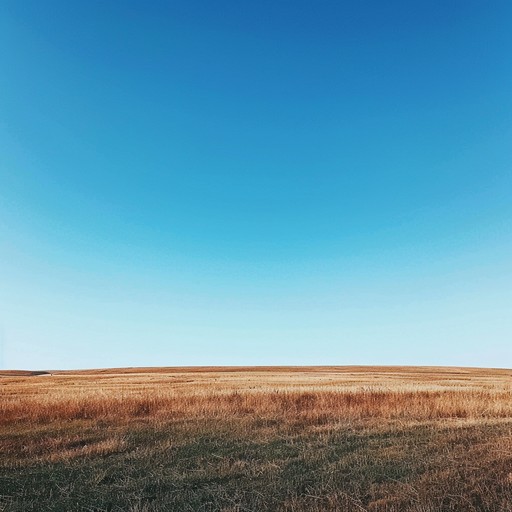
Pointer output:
x,y
257,439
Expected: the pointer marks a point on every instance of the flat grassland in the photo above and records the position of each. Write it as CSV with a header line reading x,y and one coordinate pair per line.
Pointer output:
x,y
257,439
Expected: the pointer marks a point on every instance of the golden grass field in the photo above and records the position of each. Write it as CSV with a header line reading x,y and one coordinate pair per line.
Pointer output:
x,y
268,438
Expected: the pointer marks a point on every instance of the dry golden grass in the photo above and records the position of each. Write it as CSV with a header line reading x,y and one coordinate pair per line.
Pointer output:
x,y
317,438
309,394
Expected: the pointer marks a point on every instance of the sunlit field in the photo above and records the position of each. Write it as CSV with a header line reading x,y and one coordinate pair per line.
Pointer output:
x,y
257,439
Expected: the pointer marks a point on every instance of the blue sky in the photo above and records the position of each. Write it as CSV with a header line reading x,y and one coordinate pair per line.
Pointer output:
x,y
271,182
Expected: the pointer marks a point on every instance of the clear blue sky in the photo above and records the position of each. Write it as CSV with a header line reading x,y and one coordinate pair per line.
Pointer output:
x,y
270,182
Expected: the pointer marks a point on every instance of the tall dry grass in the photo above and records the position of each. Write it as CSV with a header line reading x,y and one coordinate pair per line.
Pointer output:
x,y
307,396
267,439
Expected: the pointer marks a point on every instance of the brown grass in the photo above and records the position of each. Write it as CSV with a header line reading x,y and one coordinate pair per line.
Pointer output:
x,y
376,438
309,395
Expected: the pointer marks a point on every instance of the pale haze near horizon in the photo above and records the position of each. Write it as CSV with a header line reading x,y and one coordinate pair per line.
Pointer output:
x,y
287,183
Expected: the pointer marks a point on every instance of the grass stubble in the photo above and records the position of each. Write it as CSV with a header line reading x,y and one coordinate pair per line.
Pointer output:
x,y
257,439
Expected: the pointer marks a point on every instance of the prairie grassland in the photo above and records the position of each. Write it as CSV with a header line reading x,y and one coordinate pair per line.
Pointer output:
x,y
239,439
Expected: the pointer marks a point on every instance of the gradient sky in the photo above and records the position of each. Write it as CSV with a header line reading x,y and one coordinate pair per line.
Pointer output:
x,y
270,182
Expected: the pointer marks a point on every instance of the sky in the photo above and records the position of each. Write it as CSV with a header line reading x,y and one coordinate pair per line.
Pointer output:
x,y
255,183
